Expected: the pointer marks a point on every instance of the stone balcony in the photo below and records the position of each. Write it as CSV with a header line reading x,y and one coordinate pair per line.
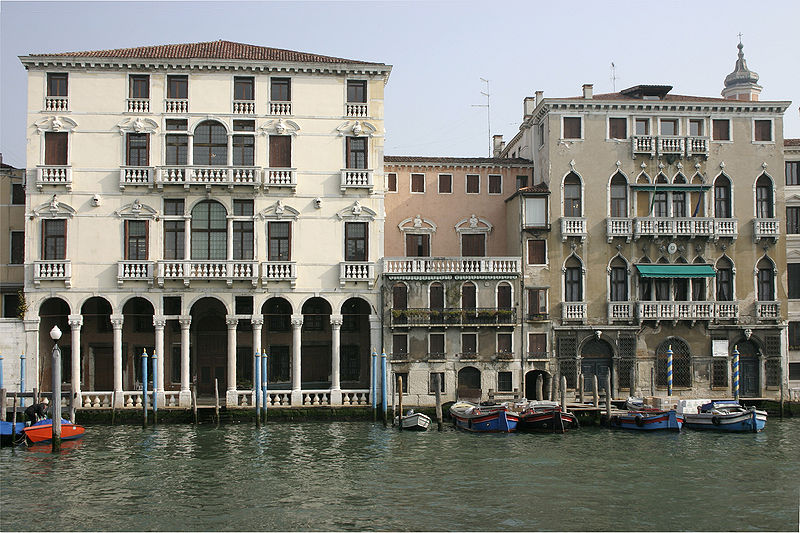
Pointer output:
x,y
356,179
766,228
679,227
682,146
131,176
54,175
454,316
52,270
768,310
280,108
202,270
693,311
280,177
135,271
573,311
573,227
503,267
279,271
56,103
620,311
244,107
357,271
176,105
619,227
356,110
208,176
138,105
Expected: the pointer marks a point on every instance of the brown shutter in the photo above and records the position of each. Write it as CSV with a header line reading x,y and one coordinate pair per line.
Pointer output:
x,y
536,254
468,299
437,297
399,296
473,245
504,297
55,148
280,151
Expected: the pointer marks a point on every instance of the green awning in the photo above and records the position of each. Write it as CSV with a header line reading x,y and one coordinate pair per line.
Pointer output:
x,y
676,271
671,188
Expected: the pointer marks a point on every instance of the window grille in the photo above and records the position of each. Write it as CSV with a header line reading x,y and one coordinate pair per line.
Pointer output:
x,y
719,373
681,363
772,371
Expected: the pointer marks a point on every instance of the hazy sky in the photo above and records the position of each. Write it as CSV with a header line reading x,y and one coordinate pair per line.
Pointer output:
x,y
440,51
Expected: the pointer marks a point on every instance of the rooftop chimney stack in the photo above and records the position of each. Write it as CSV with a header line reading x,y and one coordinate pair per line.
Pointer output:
x,y
539,97
497,145
529,105
587,91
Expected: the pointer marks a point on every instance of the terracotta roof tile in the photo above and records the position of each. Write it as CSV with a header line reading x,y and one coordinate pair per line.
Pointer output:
x,y
667,98
539,187
500,161
210,50
791,142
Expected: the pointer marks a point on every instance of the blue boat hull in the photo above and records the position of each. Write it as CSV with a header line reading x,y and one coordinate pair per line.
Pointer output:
x,y
748,422
493,422
6,428
648,421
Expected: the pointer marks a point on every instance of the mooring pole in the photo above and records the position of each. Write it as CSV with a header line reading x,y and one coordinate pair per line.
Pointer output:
x,y
55,334
608,396
3,407
580,388
22,379
437,378
400,401
264,384
539,387
113,408
14,419
156,388
669,370
257,387
736,372
144,388
72,396
194,405
374,391
595,391
563,394
393,392
2,384
633,381
216,400
383,386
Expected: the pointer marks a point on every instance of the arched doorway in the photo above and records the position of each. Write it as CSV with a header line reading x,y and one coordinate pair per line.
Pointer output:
x,y
596,360
99,338
354,344
138,335
749,375
209,349
315,350
530,384
52,312
469,384
278,334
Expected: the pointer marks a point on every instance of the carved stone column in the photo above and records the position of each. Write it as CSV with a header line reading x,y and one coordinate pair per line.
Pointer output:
x,y
185,399
297,325
75,324
230,395
336,336
116,323
159,322
375,346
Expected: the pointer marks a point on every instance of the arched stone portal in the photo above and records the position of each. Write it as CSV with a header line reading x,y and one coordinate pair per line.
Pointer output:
x,y
316,345
53,312
469,384
596,360
531,389
208,353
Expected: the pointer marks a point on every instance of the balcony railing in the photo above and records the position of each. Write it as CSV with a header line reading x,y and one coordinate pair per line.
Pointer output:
x,y
280,108
619,227
573,311
700,310
766,228
279,271
509,266
135,176
244,107
355,110
138,105
229,271
135,271
726,227
208,176
454,316
643,144
684,227
356,179
56,103
280,177
52,270
620,311
176,105
668,145
768,310
54,175
696,146
356,271
573,227
671,145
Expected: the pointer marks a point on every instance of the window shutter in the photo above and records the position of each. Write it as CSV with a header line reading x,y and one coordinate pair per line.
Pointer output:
x,y
536,252
280,151
473,245
55,148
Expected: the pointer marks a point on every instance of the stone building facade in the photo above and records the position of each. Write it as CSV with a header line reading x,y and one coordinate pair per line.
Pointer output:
x,y
792,198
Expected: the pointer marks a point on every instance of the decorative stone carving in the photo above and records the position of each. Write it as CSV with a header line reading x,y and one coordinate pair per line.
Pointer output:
x,y
356,211
54,123
136,209
137,125
53,209
279,210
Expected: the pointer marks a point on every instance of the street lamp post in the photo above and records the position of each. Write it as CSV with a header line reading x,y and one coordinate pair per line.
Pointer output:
x,y
55,334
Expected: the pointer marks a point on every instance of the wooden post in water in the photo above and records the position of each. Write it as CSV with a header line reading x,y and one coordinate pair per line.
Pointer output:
x,y
144,388
608,396
394,396
563,394
437,383
72,396
633,381
257,387
55,369
3,407
14,419
194,405
216,400
595,392
400,400
580,388
652,382
539,387
113,406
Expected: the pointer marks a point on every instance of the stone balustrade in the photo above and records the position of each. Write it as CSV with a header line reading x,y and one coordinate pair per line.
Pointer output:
x,y
768,310
176,105
573,311
620,311
135,271
573,227
208,176
280,177
138,105
280,108
244,107
766,228
691,310
356,271
279,271
52,270
681,146
356,179
188,270
56,103
135,176
619,227
355,110
54,175
452,265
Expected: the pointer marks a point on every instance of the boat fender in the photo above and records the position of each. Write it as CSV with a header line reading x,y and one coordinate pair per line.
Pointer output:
x,y
715,420
615,421
639,420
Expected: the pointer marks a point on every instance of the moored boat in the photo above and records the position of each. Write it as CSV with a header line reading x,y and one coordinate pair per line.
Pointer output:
x,y
648,420
722,415
8,431
546,416
42,431
412,421
493,418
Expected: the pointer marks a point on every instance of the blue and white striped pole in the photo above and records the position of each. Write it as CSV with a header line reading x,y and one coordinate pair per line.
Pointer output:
x,y
264,384
144,386
22,378
257,386
154,361
736,372
374,390
669,371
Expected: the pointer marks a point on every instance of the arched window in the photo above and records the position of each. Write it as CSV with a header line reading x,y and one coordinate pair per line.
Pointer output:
x,y
209,231
210,144
764,204
722,197
573,282
572,196
469,298
681,363
619,196
399,296
436,296
660,207
724,280
504,296
618,282
766,280
699,284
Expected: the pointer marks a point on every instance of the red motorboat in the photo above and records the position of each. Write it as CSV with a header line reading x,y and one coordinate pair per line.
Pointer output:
x,y
546,416
42,431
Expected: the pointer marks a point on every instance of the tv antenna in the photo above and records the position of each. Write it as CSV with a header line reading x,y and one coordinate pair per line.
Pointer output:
x,y
488,114
614,77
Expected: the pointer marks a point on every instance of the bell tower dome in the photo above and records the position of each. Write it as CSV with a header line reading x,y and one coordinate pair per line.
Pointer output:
x,y
742,83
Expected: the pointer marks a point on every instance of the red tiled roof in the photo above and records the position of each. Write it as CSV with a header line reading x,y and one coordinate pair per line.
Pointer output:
x,y
791,142
400,159
539,187
210,50
667,98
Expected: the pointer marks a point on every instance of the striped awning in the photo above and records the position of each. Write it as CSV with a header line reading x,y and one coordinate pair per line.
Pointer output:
x,y
676,271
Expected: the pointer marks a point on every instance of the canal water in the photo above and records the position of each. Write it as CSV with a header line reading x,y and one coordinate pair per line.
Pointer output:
x,y
345,476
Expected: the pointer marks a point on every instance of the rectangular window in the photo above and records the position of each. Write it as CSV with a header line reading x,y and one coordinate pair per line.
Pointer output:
x,y
696,127
572,128
243,87
504,382
55,148
432,382
535,212
244,150
137,149
445,183
10,305
177,149
793,280
391,182
139,86
794,337
17,194
619,284
54,239
399,344
418,183
280,151
356,152
280,89
669,126
504,343
57,84
794,371
473,245
617,128
679,204
357,91
350,363
174,239
537,304
793,220
642,126
280,240
401,377
178,87
721,129
762,130
573,285
540,130
436,344
660,205
473,184
244,125
418,245
136,240
537,345
173,206
243,208
522,182
17,247
243,240
792,173
537,252
177,124
355,241
469,343
495,184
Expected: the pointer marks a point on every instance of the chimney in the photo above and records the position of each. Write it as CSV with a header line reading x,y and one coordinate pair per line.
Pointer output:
x,y
539,97
587,91
497,145
529,105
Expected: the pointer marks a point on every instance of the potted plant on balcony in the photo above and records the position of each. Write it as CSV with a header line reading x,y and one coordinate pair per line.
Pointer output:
x,y
505,316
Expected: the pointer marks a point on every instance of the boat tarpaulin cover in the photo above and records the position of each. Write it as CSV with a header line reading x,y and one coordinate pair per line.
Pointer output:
x,y
676,271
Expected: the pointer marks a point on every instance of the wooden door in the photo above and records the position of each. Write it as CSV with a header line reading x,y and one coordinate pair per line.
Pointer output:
x,y
748,377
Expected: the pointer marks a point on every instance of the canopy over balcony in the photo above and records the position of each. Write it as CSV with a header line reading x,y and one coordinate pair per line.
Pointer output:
x,y
676,271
